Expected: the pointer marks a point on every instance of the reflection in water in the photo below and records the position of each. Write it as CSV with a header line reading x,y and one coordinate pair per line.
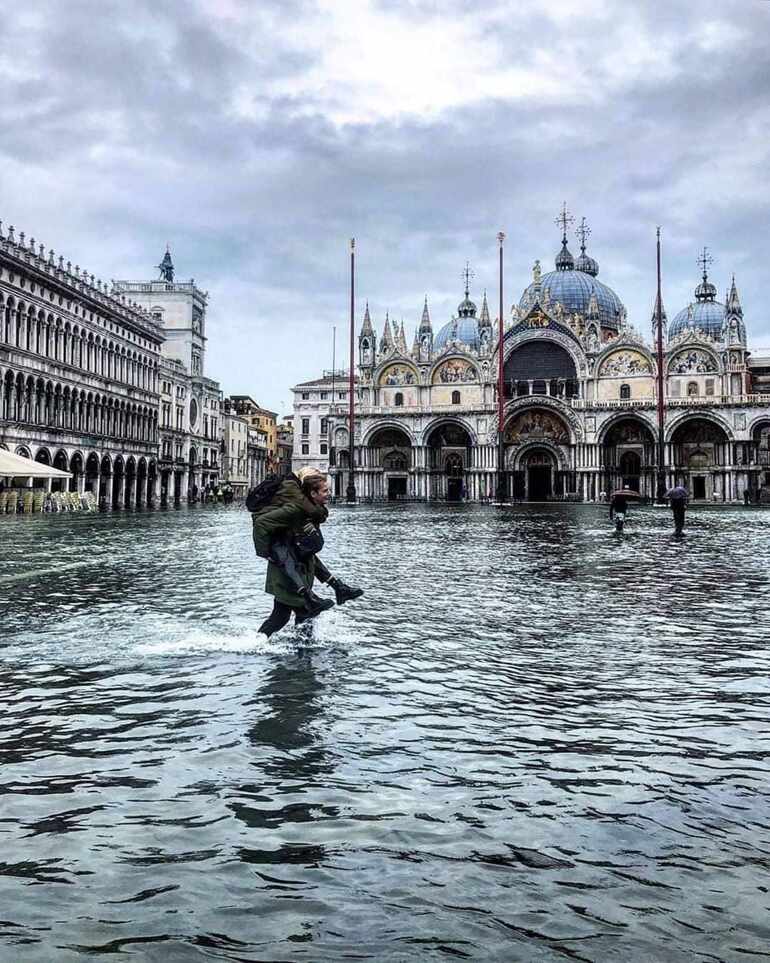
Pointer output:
x,y
530,740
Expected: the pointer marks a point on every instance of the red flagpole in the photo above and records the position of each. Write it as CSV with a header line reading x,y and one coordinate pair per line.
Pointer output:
x,y
350,492
501,481
661,492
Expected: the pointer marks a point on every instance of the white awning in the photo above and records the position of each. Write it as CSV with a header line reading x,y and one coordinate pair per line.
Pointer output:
x,y
17,466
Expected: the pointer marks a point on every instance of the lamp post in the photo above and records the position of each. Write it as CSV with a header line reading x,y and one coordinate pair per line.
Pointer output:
x,y
501,479
661,486
350,491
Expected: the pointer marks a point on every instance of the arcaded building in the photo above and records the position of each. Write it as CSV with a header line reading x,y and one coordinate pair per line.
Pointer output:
x,y
78,375
580,397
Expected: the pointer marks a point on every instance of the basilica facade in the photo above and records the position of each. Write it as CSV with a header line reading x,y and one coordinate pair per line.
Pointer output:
x,y
580,398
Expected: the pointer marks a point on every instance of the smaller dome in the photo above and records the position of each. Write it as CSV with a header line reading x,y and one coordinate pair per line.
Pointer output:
x,y
705,316
564,260
466,308
705,291
587,265
464,329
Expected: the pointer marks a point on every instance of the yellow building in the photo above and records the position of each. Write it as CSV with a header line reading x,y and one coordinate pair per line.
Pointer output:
x,y
262,419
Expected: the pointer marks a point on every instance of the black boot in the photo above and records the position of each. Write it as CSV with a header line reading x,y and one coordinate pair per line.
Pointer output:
x,y
343,592
313,604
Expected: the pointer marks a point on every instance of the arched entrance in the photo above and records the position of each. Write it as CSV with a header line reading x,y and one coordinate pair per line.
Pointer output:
x,y
391,451
76,468
537,442
449,455
141,483
629,457
104,481
700,452
540,469
130,483
61,462
92,474
118,475
43,456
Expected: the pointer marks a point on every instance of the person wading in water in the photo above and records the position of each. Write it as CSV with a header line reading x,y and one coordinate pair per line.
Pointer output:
x,y
286,531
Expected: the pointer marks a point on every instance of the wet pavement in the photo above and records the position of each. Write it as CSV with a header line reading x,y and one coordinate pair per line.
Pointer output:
x,y
531,740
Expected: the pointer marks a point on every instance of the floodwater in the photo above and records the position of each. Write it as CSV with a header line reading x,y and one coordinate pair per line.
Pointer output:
x,y
531,740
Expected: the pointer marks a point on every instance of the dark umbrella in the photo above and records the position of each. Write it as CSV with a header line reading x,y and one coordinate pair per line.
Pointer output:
x,y
626,493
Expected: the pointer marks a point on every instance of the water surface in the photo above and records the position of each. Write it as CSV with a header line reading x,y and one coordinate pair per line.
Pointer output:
x,y
530,740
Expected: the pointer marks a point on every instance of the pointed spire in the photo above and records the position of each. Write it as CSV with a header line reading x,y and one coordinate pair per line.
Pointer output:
x,y
386,342
366,327
733,328
733,301
166,267
425,324
484,321
402,338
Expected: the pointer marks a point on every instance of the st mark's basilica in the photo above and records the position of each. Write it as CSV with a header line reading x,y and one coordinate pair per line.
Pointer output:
x,y
580,397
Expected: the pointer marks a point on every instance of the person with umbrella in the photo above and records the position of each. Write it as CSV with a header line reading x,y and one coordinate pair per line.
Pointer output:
x,y
677,499
619,505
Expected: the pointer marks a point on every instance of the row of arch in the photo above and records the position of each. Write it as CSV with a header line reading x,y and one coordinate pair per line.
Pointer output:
x,y
47,335
126,481
38,401
521,360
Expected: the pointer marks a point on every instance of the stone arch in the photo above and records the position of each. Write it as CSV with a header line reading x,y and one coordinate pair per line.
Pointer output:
x,y
615,419
629,453
453,420
516,458
706,415
513,342
43,456
372,432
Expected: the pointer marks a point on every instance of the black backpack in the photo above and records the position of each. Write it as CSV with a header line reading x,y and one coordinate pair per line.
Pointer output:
x,y
264,492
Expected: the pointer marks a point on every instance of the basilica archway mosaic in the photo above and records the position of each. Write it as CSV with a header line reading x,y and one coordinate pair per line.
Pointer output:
x,y
535,424
397,374
693,361
455,371
622,363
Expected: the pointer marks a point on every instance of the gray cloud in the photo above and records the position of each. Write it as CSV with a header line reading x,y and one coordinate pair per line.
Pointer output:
x,y
199,126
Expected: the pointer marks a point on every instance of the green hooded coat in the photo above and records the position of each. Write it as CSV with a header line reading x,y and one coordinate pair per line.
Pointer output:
x,y
286,515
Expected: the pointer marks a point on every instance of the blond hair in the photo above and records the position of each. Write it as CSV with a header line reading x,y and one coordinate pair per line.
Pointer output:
x,y
311,478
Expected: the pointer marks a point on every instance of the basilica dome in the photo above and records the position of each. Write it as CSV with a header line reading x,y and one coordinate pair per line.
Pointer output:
x,y
573,284
705,314
464,329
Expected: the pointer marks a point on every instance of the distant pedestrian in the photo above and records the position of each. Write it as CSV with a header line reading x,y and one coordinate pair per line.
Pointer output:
x,y
619,506
746,497
677,499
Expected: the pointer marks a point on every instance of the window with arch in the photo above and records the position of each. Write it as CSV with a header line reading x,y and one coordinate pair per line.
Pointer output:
x,y
399,399
455,397
692,389
625,392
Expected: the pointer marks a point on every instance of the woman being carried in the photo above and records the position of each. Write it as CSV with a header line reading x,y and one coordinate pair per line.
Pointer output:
x,y
286,531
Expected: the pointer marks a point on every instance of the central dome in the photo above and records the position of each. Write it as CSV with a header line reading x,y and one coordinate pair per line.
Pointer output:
x,y
573,289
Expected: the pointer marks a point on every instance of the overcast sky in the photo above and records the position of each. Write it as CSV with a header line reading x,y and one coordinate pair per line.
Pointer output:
x,y
258,137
